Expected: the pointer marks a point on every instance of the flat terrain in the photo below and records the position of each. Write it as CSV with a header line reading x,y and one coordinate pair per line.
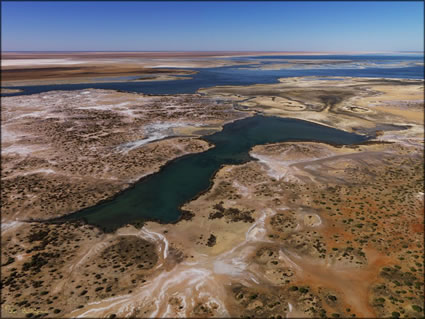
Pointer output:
x,y
33,68
306,230
152,54
342,102
61,145
37,68
83,71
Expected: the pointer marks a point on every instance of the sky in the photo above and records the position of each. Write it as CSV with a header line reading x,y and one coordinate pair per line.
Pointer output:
x,y
212,26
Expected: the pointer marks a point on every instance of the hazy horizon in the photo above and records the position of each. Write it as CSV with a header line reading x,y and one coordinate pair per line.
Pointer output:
x,y
277,51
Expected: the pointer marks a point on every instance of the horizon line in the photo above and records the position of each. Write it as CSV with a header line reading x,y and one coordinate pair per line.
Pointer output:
x,y
277,51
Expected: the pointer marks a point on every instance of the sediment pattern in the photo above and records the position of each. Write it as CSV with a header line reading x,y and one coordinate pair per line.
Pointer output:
x,y
305,230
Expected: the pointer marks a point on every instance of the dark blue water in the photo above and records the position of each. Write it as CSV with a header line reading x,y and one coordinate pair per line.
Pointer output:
x,y
246,75
160,195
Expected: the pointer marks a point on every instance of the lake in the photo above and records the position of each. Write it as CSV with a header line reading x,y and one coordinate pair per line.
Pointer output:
x,y
246,75
159,196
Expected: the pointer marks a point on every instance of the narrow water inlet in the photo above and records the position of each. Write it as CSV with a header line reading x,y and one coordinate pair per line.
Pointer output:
x,y
159,196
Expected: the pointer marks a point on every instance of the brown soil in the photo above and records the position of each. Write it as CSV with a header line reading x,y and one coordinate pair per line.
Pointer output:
x,y
35,73
308,230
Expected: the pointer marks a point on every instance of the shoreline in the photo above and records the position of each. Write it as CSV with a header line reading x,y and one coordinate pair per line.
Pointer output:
x,y
177,54
201,90
183,215
9,85
243,232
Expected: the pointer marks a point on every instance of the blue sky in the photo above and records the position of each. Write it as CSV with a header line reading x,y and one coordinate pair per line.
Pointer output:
x,y
276,26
